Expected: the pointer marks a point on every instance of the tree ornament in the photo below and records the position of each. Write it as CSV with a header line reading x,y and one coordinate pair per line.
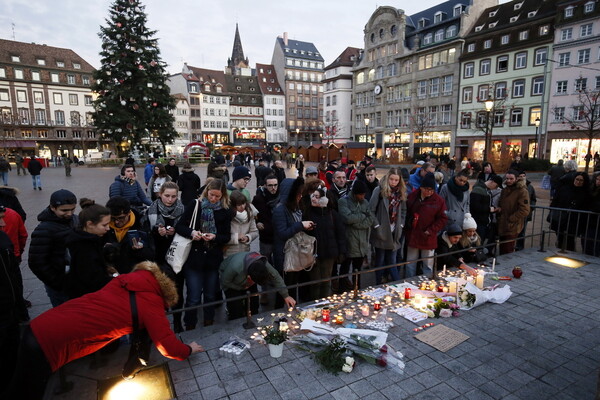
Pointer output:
x,y
155,104
129,126
119,24
118,36
136,107
153,63
123,102
141,67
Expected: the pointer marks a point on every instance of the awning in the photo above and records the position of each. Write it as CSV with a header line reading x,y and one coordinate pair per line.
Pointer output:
x,y
17,143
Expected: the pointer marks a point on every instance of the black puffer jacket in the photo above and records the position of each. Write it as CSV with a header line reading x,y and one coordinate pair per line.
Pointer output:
x,y
330,231
47,250
189,185
88,270
12,306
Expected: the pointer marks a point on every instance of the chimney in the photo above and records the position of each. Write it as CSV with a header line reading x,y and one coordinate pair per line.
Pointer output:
x,y
285,38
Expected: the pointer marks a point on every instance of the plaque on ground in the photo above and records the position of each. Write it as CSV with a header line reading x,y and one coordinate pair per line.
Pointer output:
x,y
441,337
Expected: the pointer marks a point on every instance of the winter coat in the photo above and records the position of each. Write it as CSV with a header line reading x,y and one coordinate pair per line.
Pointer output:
x,y
205,254
16,231
234,274
480,203
4,165
415,179
358,219
444,247
132,192
12,306
382,237
532,199
261,172
151,188
334,194
284,224
148,173
84,325
514,205
247,227
189,184
265,202
329,232
422,215
88,270
245,192
8,198
47,249
173,171
556,172
279,173
573,198
34,167
126,255
455,209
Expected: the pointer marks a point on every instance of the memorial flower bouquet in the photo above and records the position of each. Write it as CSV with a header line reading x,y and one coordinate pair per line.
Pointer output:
x,y
466,298
276,333
444,309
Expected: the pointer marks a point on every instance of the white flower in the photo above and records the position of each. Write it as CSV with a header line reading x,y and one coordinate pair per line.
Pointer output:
x,y
347,368
445,312
430,314
350,361
463,296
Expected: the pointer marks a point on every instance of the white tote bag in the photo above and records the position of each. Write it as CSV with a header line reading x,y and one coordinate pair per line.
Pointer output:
x,y
180,246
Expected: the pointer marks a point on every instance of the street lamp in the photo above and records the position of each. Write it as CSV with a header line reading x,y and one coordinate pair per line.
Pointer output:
x,y
297,134
367,120
538,138
489,105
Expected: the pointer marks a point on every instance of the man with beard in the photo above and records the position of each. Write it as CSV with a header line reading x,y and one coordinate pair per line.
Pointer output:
x,y
267,197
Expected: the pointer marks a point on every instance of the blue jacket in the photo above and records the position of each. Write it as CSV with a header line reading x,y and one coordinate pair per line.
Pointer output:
x,y
134,193
284,224
148,172
415,179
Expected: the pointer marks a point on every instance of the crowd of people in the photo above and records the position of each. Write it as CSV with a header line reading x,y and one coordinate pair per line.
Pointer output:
x,y
409,217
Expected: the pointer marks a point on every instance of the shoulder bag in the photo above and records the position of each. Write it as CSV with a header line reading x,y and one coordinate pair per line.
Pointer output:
x,y
300,252
180,246
139,353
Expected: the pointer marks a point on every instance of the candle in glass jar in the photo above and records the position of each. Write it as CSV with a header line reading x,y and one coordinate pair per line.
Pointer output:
x,y
406,293
479,280
377,306
339,320
349,314
364,310
388,300
325,314
452,287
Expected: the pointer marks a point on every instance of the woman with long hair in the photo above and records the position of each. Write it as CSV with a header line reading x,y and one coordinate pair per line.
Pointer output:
x,y
574,195
88,270
210,232
487,172
388,203
158,179
243,224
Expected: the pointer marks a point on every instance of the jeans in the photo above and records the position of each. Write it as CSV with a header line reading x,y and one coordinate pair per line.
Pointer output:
x,y
413,254
321,270
5,178
56,297
37,182
386,257
199,281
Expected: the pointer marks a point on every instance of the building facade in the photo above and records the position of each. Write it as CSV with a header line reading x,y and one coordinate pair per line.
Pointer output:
x,y
338,97
299,67
575,81
505,64
273,103
46,102
406,83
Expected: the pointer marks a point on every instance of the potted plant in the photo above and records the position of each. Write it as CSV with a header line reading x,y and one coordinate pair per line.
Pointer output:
x,y
275,335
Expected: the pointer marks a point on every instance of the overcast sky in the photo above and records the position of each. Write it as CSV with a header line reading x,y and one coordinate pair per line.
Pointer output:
x,y
201,32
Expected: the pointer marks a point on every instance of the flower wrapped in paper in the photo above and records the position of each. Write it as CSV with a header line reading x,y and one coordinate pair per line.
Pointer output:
x,y
470,296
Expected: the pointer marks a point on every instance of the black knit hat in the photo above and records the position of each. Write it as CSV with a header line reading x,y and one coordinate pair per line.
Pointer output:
x,y
62,197
359,187
453,230
428,181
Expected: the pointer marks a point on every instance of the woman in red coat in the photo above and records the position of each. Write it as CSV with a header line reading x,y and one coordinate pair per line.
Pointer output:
x,y
425,217
84,325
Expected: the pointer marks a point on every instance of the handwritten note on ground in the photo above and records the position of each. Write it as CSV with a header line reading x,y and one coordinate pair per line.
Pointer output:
x,y
441,337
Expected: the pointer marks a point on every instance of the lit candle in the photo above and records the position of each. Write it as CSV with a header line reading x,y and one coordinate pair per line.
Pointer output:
x,y
325,314
479,280
445,289
364,310
406,293
444,270
377,306
349,314
388,300
452,287
494,264
339,320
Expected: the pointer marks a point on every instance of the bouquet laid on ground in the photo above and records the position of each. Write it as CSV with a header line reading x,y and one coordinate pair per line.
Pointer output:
x,y
470,296
335,350
276,333
444,309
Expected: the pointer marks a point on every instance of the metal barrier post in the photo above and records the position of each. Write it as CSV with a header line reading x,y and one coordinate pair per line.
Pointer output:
x,y
497,250
249,324
542,241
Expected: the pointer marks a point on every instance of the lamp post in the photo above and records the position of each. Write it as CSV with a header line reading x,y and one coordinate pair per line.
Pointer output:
x,y
538,138
367,120
297,134
489,105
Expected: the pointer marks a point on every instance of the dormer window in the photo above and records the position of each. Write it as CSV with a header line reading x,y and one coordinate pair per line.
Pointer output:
x,y
40,61
493,25
423,22
15,58
207,87
518,6
60,64
588,7
523,35
569,11
76,66
193,88
458,9
438,17
514,19
493,13
531,14
478,28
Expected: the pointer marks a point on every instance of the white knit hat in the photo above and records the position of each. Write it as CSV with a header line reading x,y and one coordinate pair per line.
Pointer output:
x,y
469,222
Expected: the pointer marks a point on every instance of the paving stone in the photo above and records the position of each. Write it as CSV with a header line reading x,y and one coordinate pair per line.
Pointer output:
x,y
314,390
235,385
213,392
376,396
344,393
207,380
394,392
264,391
182,375
362,388
255,378
294,394
283,384
243,395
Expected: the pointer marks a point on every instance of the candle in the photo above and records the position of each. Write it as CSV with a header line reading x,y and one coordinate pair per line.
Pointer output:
x,y
339,320
325,314
364,310
440,288
406,293
444,270
479,280
445,289
452,287
388,300
469,279
349,314
377,306
494,264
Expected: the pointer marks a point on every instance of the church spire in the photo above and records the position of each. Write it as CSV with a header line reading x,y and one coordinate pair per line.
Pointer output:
x,y
237,60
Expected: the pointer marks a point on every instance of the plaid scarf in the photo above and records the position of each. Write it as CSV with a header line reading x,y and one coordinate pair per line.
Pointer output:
x,y
207,216
394,205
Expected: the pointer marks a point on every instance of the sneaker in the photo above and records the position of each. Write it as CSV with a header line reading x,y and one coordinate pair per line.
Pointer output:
x,y
40,188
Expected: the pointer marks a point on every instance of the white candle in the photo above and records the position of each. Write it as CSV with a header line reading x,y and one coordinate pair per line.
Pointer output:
x,y
494,264
452,287
444,270
479,280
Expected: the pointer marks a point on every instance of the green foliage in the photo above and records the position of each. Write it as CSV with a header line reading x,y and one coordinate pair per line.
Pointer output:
x,y
133,100
275,335
535,164
333,357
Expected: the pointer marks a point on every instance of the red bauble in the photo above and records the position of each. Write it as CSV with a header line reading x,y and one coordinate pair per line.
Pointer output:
x,y
154,104
119,24
517,272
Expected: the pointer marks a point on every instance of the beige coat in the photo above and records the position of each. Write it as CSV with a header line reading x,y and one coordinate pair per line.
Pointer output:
x,y
514,205
241,227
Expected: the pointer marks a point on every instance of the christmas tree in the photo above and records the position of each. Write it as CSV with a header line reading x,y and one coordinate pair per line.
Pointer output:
x,y
133,100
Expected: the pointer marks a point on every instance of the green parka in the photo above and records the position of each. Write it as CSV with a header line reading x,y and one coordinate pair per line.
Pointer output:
x,y
358,219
